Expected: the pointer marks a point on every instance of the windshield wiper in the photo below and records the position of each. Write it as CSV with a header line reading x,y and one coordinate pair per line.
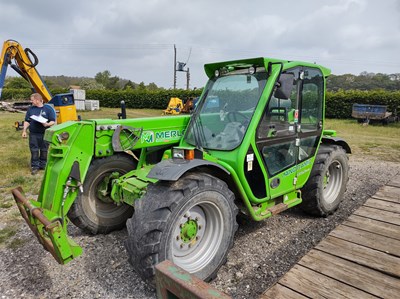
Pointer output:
x,y
198,133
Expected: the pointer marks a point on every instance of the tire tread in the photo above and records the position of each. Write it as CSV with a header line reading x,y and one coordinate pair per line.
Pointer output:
x,y
312,189
76,213
152,213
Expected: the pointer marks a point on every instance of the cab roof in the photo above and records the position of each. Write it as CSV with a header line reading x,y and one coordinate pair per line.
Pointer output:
x,y
210,68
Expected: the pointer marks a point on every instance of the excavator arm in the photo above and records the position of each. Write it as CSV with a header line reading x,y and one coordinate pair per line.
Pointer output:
x,y
19,59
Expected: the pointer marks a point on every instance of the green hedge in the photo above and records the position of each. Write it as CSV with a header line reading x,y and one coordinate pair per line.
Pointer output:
x,y
140,98
19,94
108,98
15,94
339,104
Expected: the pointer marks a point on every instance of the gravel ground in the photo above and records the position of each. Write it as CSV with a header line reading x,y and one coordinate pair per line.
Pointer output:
x,y
262,253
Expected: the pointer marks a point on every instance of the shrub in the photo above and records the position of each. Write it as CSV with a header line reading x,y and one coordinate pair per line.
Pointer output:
x,y
139,98
112,99
339,104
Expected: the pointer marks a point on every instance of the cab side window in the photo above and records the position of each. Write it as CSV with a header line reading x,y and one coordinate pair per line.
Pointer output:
x,y
279,117
277,130
312,100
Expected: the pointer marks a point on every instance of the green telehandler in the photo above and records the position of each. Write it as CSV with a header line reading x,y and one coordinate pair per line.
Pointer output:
x,y
255,144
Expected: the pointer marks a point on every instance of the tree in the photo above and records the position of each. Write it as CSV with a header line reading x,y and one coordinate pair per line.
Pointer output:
x,y
395,77
366,74
49,83
113,83
91,84
17,83
129,85
364,81
152,86
106,80
103,77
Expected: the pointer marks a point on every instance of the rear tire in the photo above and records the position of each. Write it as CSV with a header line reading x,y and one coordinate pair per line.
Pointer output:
x,y
327,183
191,222
94,212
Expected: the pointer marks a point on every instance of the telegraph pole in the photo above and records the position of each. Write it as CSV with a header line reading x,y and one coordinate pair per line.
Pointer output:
x,y
180,67
187,78
174,66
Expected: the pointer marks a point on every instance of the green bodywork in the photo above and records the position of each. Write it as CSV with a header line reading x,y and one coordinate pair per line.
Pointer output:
x,y
74,145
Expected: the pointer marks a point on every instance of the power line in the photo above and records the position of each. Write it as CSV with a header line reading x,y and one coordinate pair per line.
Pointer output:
x,y
214,50
201,49
102,46
190,52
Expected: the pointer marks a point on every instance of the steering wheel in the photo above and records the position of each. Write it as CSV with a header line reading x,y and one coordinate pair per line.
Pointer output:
x,y
233,116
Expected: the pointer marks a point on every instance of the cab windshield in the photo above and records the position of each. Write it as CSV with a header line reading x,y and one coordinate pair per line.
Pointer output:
x,y
221,120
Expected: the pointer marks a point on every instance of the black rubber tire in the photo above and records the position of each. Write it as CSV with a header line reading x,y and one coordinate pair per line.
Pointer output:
x,y
322,196
159,215
93,215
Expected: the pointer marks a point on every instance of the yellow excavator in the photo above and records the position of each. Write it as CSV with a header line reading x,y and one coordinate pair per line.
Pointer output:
x,y
177,106
20,61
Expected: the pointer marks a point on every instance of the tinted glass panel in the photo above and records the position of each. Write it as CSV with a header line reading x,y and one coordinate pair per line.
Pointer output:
x,y
312,100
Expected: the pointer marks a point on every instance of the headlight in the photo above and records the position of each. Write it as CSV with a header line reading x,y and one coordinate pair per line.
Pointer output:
x,y
178,153
183,153
252,70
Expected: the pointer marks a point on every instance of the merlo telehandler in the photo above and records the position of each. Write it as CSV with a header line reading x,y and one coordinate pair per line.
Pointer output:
x,y
255,143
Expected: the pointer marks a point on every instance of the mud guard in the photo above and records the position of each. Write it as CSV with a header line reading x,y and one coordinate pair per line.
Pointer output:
x,y
173,169
336,140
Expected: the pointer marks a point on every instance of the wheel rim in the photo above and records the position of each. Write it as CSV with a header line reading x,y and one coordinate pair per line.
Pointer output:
x,y
103,187
333,181
100,203
197,236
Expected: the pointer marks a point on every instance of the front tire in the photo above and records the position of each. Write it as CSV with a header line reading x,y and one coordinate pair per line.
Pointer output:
x,y
94,211
191,222
327,183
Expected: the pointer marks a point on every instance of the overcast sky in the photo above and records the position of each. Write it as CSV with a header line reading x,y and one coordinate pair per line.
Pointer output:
x,y
135,39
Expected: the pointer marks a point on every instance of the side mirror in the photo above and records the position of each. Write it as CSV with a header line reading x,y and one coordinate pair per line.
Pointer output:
x,y
284,86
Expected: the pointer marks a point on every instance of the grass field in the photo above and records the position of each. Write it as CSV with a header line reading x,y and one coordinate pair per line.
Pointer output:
x,y
377,142
382,142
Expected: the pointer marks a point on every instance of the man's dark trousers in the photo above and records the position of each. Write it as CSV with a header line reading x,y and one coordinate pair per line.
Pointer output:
x,y
38,149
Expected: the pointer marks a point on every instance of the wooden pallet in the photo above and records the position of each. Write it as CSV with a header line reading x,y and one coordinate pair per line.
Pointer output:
x,y
359,259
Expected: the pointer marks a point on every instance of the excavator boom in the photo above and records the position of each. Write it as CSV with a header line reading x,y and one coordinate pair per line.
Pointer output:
x,y
14,55
20,60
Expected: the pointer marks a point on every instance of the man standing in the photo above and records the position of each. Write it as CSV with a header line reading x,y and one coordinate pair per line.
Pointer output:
x,y
38,118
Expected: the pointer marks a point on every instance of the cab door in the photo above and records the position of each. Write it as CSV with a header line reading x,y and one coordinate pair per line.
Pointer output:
x,y
309,130
277,138
290,131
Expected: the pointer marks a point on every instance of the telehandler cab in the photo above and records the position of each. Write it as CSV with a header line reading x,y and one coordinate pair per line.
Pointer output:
x,y
255,143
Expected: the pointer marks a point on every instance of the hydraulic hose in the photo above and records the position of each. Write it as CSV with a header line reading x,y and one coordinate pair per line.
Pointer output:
x,y
35,58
